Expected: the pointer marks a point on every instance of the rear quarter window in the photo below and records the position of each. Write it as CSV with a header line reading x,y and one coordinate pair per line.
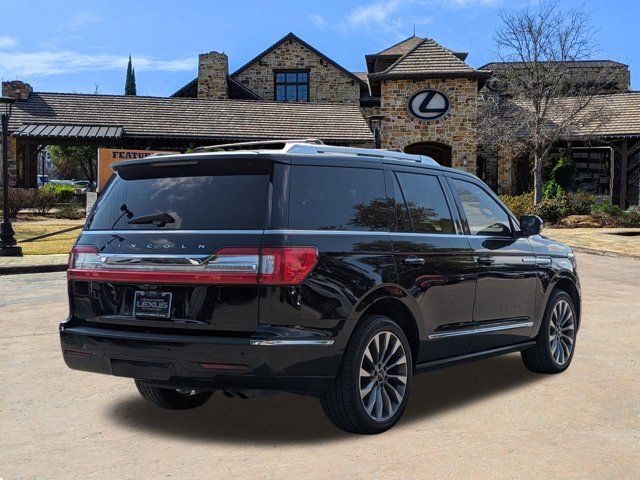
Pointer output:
x,y
337,198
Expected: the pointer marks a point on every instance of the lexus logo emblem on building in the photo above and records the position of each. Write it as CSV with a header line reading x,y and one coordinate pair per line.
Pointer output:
x,y
428,104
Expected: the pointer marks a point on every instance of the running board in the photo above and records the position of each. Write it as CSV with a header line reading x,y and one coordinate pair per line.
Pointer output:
x,y
447,362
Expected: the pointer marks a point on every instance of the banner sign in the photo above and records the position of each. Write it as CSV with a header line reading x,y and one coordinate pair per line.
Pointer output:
x,y
107,156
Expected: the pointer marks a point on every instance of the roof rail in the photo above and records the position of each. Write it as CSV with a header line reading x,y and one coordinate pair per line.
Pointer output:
x,y
317,147
257,145
306,148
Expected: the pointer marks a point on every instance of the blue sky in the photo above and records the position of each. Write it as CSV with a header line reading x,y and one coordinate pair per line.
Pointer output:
x,y
72,46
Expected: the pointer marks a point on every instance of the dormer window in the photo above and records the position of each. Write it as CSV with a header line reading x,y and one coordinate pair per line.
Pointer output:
x,y
291,86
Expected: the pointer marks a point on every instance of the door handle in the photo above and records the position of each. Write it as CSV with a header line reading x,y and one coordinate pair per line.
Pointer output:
x,y
414,261
486,260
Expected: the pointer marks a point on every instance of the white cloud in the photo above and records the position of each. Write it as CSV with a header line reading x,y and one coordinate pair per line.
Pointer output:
x,y
377,13
41,63
7,42
318,20
77,21
397,18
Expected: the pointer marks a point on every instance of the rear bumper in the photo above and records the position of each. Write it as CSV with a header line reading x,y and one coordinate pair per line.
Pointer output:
x,y
205,362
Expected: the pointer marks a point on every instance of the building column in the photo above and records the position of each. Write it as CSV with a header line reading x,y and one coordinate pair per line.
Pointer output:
x,y
626,150
506,171
11,161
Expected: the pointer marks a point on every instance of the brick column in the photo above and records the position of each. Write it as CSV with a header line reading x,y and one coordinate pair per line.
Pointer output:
x,y
11,161
505,171
212,76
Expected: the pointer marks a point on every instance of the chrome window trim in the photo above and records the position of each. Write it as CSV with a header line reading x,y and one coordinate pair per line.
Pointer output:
x,y
475,330
165,232
271,343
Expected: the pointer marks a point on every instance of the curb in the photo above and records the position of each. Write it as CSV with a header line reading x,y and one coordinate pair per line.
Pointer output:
x,y
602,253
19,269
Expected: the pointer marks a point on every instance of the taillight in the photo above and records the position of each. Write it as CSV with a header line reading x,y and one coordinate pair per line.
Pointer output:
x,y
287,265
230,265
84,257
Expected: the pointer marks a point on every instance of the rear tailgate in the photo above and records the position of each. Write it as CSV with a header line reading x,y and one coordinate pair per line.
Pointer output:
x,y
174,247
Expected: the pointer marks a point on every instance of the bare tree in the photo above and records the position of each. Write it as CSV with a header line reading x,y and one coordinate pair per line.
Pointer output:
x,y
540,97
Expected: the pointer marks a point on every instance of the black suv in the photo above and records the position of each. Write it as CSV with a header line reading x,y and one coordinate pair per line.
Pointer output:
x,y
308,268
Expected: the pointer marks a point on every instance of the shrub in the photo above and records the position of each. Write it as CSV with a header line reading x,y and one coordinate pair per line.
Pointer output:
x,y
579,203
63,193
72,210
631,218
551,189
606,208
551,210
19,199
563,173
44,200
519,204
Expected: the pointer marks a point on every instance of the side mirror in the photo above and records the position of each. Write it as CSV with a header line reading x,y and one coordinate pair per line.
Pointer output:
x,y
531,225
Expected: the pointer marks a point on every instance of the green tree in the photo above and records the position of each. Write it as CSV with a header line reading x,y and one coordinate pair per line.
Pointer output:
x,y
75,162
130,82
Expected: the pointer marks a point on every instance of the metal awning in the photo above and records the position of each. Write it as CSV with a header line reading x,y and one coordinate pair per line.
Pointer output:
x,y
69,131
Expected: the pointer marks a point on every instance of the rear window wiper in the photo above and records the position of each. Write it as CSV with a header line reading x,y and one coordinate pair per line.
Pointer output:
x,y
157,219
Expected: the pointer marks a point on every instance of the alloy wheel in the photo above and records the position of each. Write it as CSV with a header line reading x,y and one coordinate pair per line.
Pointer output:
x,y
383,376
561,332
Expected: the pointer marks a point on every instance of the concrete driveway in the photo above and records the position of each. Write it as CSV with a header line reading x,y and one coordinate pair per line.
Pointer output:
x,y
490,419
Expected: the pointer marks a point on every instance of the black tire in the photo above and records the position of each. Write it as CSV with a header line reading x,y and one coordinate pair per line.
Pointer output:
x,y
540,359
171,399
343,405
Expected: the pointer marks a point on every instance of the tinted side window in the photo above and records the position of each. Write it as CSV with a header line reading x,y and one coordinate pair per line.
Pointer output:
x,y
426,205
333,198
484,214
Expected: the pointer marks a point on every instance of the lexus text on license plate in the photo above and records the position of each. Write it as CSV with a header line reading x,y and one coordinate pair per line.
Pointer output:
x,y
152,304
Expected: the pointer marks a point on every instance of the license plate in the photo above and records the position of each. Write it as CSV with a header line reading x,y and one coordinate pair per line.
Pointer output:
x,y
152,304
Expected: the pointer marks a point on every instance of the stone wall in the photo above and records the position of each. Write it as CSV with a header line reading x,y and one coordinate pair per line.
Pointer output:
x,y
213,68
369,111
16,89
11,154
327,84
456,129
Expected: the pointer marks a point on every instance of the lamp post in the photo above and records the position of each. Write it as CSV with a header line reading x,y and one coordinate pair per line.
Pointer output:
x,y
8,242
375,121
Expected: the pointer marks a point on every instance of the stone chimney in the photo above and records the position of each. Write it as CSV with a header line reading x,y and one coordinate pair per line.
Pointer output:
x,y
213,68
16,89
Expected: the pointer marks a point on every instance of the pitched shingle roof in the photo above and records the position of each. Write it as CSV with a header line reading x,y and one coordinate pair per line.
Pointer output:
x,y
402,47
609,116
192,118
363,76
622,111
430,58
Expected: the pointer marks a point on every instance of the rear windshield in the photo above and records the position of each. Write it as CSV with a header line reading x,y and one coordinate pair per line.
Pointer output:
x,y
203,202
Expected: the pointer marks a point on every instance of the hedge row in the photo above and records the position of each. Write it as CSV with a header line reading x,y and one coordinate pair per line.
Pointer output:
x,y
554,210
43,200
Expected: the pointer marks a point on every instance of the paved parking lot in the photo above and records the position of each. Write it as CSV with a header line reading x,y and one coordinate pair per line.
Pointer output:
x,y
489,419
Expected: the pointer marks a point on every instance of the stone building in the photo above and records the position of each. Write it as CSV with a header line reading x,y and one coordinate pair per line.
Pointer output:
x,y
417,96
605,149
